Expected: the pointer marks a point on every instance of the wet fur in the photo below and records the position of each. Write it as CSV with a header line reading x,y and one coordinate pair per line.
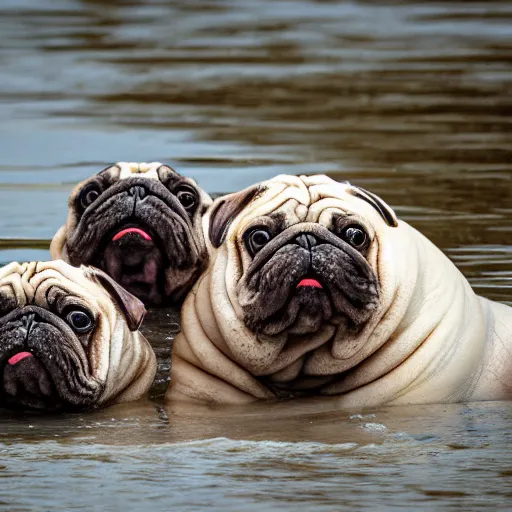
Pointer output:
x,y
176,254
395,322
111,362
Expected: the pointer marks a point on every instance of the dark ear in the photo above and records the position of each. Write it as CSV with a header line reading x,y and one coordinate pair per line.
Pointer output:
x,y
225,209
384,210
133,309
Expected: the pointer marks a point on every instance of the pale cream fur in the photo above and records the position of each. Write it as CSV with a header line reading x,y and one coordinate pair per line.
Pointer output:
x,y
120,360
431,339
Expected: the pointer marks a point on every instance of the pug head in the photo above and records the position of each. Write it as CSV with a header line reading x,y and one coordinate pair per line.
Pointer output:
x,y
141,224
69,339
298,260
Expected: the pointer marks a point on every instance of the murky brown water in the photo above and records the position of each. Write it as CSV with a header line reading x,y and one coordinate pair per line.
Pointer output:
x,y
409,99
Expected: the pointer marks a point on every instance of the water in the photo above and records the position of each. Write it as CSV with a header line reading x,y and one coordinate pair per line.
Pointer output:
x,y
408,99
131,457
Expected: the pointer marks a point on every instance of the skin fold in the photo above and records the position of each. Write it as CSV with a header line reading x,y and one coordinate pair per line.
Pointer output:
x,y
141,224
69,339
315,288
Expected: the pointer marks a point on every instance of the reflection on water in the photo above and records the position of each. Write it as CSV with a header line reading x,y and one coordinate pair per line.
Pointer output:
x,y
410,99
262,458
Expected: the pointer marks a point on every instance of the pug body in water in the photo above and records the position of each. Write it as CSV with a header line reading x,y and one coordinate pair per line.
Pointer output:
x,y
315,288
141,224
69,339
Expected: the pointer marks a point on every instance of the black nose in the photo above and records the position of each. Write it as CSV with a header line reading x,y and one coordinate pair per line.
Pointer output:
x,y
306,240
27,321
137,191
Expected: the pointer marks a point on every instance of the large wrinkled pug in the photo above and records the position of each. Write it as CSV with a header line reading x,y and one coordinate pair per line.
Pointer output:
x,y
69,339
315,288
140,223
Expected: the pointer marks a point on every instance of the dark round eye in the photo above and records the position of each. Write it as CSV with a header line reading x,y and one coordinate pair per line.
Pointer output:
x,y
355,235
187,198
88,195
256,239
80,321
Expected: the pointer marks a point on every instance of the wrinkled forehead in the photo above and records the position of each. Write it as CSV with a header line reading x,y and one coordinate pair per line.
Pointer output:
x,y
148,170
151,171
125,170
34,282
314,198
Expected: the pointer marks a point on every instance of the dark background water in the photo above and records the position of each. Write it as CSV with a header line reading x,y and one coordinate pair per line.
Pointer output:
x,y
409,99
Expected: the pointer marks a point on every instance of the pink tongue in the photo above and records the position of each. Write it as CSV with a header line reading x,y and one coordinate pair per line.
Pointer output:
x,y
310,282
126,231
19,357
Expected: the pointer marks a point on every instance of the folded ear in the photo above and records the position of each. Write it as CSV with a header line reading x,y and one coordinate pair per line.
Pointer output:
x,y
132,308
225,209
384,209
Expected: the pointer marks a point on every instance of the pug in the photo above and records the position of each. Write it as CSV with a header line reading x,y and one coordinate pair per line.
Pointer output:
x,y
69,339
141,224
315,288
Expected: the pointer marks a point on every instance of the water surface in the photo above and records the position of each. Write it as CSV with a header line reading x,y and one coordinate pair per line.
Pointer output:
x,y
410,99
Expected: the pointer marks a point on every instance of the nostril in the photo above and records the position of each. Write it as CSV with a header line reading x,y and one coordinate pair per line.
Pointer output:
x,y
28,320
137,191
312,240
306,240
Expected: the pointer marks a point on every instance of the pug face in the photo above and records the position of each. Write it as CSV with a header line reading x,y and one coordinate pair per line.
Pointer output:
x,y
300,266
295,261
141,224
301,275
69,339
